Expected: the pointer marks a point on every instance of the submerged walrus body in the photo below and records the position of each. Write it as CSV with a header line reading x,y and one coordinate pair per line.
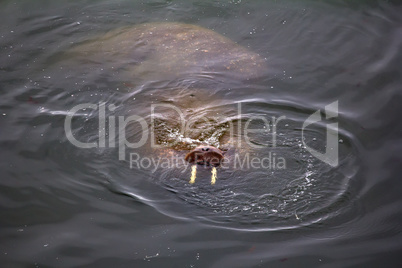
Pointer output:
x,y
201,60
169,50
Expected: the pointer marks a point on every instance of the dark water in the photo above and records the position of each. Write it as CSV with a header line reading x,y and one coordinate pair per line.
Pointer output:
x,y
64,206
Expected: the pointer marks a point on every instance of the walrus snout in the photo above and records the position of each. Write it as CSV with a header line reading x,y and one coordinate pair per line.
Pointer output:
x,y
205,155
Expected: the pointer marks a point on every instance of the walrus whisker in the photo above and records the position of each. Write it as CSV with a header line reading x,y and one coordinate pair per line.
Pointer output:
x,y
193,173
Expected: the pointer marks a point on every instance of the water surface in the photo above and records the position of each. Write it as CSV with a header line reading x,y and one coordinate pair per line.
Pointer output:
x,y
64,206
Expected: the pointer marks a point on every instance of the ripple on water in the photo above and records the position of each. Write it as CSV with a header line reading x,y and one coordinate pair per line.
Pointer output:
x,y
301,191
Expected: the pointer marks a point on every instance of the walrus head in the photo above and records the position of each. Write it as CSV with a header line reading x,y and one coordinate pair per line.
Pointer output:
x,y
205,155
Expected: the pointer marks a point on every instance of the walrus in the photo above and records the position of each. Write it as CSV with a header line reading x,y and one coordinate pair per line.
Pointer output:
x,y
197,57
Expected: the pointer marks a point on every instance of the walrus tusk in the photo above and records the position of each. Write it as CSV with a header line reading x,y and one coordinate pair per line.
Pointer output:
x,y
193,173
213,178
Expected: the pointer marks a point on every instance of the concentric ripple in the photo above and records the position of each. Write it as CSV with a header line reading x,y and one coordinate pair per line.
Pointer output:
x,y
278,185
